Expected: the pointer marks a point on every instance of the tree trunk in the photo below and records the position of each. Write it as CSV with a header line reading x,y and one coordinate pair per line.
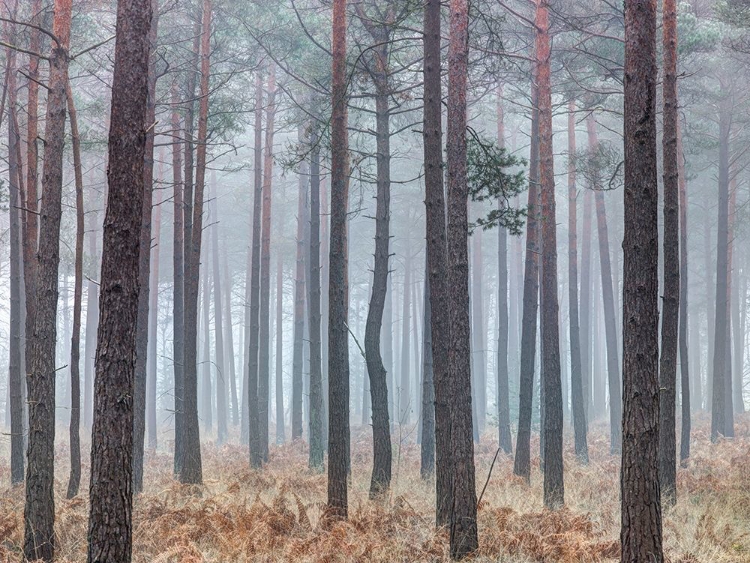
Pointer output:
x,y
503,394
734,393
264,360
39,513
152,374
338,287
427,460
522,462
479,363
641,532
684,319
381,435
739,323
230,363
178,295
191,470
141,361
110,493
256,454
463,526
576,370
205,408
15,377
75,342
405,408
221,365
586,306
299,296
671,260
718,402
315,437
554,490
610,328
280,434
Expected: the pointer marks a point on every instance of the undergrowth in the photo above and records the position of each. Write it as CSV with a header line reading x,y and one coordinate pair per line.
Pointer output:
x,y
276,514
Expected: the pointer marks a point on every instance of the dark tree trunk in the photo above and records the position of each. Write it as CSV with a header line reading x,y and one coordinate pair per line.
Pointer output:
x,y
256,454
191,470
554,490
205,408
264,336
437,259
39,512
641,532
381,434
503,393
478,336
610,327
338,287
280,434
463,519
671,261
15,377
718,402
522,462
427,461
110,493
299,295
75,342
576,371
221,365
144,266
178,295
315,460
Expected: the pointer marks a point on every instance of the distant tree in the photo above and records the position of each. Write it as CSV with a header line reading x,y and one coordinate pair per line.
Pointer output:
x,y
111,493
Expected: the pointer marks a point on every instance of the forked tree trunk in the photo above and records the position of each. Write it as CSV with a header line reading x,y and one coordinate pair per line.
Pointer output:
x,y
641,532
338,288
110,493
39,512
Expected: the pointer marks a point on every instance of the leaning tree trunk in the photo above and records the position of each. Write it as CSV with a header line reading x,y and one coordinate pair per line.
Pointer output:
x,y
141,361
641,532
110,493
192,471
554,490
576,371
338,287
671,259
463,522
75,342
39,512
381,433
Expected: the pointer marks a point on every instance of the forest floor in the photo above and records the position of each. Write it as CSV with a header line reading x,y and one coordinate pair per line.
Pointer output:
x,y
275,514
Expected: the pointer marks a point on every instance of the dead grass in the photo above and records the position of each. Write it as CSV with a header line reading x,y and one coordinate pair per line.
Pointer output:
x,y
276,515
